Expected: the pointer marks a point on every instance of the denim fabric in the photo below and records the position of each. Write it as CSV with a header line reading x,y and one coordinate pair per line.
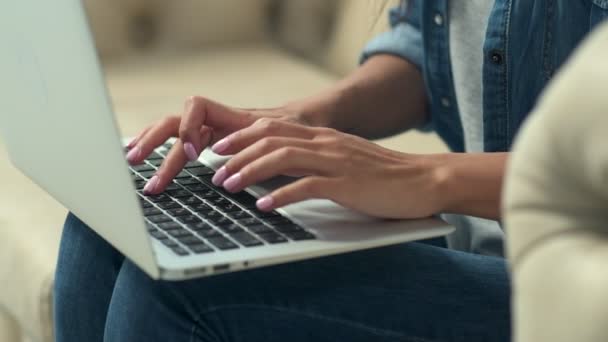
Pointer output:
x,y
409,292
526,42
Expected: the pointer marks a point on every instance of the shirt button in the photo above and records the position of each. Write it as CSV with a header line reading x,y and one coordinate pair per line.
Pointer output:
x,y
496,57
438,19
445,102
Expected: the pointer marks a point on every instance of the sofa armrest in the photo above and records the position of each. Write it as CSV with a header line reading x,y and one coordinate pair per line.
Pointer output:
x,y
556,206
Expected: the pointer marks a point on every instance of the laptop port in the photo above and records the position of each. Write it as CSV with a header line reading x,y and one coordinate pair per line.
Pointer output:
x,y
221,268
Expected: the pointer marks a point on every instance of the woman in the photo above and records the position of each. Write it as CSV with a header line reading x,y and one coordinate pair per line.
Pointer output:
x,y
469,69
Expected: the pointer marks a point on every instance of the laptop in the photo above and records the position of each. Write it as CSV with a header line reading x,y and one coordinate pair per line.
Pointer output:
x,y
57,122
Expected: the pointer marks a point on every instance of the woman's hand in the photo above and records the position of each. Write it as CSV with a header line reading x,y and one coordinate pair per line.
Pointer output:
x,y
344,168
203,122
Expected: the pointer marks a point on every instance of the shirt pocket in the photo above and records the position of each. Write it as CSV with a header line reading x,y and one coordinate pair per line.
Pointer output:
x,y
599,11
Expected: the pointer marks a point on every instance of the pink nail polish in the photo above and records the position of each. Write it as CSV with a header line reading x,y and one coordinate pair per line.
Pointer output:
x,y
265,203
221,146
220,176
151,185
134,154
190,151
231,184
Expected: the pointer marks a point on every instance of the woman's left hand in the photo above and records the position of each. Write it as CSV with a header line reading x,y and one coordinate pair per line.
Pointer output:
x,y
349,170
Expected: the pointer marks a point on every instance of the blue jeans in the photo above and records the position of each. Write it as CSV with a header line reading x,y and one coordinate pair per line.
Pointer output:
x,y
409,292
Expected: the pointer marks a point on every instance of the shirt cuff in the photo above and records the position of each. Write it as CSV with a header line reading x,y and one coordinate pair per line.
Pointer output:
x,y
403,40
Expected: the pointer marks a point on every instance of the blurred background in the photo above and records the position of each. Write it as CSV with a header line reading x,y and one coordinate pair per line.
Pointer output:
x,y
253,53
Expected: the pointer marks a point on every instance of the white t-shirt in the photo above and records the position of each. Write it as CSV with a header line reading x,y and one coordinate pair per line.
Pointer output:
x,y
468,22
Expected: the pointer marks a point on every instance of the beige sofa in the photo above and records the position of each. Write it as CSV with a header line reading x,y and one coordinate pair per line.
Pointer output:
x,y
155,53
556,207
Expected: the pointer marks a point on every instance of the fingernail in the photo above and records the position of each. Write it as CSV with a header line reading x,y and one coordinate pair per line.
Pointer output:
x,y
233,182
265,203
151,185
220,176
190,151
134,154
221,146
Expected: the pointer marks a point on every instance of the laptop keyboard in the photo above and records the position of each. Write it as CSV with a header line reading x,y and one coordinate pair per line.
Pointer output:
x,y
193,216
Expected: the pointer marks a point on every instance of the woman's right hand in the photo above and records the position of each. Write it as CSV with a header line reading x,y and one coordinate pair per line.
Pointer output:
x,y
203,123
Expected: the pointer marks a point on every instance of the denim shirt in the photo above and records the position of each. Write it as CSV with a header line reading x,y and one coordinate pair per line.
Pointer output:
x,y
526,42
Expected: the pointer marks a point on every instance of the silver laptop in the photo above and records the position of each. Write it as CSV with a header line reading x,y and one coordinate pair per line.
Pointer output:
x,y
58,125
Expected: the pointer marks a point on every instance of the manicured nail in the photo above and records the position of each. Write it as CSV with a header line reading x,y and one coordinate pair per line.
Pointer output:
x,y
265,203
151,185
190,151
134,154
232,183
221,146
220,176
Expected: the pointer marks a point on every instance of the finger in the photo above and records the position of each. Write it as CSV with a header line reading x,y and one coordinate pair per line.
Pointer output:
x,y
256,151
260,129
138,137
156,136
200,111
278,163
300,190
172,165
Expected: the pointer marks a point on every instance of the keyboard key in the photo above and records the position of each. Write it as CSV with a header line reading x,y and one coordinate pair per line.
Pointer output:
x,y
208,233
159,218
217,201
300,235
239,215
288,228
189,240
245,199
260,229
169,205
191,201
183,174
154,156
265,214
166,226
145,204
201,171
179,212
189,219
232,229
140,184
147,174
143,167
180,251
248,222
200,248
168,145
159,198
280,220
222,243
208,194
220,220
197,187
201,208
169,243
246,239
155,162
158,235
273,238
173,186
200,226
176,233
180,193
228,207
193,164
151,211
188,181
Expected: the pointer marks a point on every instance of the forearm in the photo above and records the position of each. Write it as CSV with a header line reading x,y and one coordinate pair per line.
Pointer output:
x,y
470,183
384,96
